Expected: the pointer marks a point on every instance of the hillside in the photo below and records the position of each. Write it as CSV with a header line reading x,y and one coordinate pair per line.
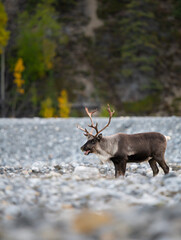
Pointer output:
x,y
126,53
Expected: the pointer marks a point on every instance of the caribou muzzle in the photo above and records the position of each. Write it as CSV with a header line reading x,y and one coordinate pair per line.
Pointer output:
x,y
85,149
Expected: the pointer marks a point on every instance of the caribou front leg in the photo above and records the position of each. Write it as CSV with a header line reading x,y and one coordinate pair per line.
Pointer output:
x,y
120,165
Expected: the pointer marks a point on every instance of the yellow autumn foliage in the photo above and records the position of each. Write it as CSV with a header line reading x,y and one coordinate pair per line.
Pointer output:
x,y
19,82
4,34
47,111
18,69
17,75
63,104
21,90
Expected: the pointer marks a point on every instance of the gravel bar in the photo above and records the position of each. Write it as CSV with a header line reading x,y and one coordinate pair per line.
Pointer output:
x,y
50,190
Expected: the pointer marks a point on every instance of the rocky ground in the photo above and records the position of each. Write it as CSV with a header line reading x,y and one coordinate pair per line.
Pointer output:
x,y
50,190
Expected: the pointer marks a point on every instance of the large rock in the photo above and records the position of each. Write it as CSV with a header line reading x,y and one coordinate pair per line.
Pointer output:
x,y
82,172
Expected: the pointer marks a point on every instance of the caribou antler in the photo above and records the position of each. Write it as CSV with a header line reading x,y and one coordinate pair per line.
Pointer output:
x,y
110,116
87,133
96,125
90,116
84,130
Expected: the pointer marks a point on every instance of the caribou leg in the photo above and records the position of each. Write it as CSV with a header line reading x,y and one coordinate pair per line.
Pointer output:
x,y
154,167
120,165
163,165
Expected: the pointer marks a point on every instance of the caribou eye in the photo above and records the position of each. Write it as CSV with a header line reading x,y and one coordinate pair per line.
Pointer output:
x,y
92,141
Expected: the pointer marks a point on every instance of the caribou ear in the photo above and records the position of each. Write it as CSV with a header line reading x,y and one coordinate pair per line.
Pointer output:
x,y
99,137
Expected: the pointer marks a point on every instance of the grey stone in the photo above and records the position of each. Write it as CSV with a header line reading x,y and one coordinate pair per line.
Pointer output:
x,y
12,210
39,167
82,172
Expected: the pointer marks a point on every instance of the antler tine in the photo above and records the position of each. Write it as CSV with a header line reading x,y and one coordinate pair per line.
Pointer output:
x,y
94,127
90,116
84,130
92,124
110,116
109,110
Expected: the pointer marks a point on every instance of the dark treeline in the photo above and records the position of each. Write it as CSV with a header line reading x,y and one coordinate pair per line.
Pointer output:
x,y
58,56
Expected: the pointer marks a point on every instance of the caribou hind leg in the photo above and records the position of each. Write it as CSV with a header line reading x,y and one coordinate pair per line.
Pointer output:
x,y
154,167
161,161
164,166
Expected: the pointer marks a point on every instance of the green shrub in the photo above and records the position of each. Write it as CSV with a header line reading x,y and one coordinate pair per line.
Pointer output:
x,y
143,106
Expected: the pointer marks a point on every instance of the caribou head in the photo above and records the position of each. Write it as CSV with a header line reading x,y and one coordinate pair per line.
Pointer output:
x,y
91,146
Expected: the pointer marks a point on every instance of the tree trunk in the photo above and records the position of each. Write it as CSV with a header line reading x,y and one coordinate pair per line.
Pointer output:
x,y
3,83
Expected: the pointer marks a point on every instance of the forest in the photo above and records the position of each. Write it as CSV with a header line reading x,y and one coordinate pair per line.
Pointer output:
x,y
59,56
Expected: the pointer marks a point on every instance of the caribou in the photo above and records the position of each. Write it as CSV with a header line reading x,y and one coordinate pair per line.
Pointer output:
x,y
122,148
